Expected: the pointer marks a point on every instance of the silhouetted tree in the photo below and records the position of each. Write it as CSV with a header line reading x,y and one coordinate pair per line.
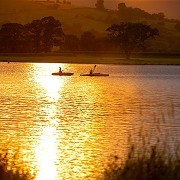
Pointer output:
x,y
131,35
177,26
12,36
100,4
123,12
37,36
52,33
88,41
72,43
131,14
158,16
35,33
103,44
45,33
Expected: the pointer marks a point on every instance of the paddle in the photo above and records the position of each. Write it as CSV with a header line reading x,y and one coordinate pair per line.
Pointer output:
x,y
94,68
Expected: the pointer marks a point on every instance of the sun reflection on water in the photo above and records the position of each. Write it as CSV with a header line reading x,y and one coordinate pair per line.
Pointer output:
x,y
46,153
50,84
67,127
70,141
46,149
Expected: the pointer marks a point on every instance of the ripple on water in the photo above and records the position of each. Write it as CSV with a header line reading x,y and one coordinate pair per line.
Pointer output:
x,y
67,127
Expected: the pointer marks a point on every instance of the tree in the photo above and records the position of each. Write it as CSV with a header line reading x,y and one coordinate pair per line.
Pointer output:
x,y
177,26
12,36
100,4
45,33
72,43
52,33
131,35
88,41
35,30
37,36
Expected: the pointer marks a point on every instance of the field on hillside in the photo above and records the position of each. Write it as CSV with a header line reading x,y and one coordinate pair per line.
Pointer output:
x,y
74,20
77,20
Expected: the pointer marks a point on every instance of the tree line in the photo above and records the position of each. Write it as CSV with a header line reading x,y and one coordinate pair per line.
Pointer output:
x,y
37,36
44,34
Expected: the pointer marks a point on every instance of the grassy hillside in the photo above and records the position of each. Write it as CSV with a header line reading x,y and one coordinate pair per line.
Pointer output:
x,y
169,7
76,20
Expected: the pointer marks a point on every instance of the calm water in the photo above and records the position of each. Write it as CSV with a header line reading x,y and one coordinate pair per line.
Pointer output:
x,y
68,127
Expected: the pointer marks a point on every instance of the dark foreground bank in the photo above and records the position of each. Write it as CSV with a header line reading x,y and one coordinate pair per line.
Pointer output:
x,y
156,165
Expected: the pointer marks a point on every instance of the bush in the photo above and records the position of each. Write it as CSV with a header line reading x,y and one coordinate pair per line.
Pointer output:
x,y
6,174
155,166
152,158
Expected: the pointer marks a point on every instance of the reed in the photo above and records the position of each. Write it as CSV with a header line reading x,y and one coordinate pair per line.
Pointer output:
x,y
10,174
155,166
152,158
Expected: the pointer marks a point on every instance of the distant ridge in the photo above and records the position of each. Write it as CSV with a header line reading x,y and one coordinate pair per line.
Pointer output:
x,y
78,19
169,7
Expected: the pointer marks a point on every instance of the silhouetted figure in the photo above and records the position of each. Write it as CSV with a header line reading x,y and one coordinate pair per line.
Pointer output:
x,y
91,71
60,71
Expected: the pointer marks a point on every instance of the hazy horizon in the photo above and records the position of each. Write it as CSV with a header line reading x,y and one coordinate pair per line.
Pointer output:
x,y
169,8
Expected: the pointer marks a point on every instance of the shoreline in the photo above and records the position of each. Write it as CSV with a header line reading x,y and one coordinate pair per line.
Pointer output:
x,y
93,58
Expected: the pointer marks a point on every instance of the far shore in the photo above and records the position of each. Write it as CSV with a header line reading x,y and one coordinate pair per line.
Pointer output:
x,y
93,58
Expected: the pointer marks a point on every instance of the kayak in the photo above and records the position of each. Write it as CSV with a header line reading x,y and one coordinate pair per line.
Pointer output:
x,y
62,74
94,74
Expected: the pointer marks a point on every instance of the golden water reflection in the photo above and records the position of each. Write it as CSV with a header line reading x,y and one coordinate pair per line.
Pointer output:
x,y
46,153
71,143
46,150
75,128
52,85
67,127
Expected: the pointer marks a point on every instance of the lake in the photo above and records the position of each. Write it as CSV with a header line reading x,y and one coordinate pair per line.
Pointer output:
x,y
68,127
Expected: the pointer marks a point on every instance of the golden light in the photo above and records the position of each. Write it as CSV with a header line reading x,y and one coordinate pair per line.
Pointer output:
x,y
50,84
68,136
46,154
46,145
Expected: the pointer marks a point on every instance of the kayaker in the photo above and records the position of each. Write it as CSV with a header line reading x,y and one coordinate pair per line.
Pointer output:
x,y
60,70
91,71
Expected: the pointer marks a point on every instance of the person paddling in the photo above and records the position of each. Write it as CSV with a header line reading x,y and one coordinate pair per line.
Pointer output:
x,y
91,71
60,71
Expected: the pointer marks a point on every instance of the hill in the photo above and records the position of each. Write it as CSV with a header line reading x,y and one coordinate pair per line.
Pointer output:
x,y
76,20
169,7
